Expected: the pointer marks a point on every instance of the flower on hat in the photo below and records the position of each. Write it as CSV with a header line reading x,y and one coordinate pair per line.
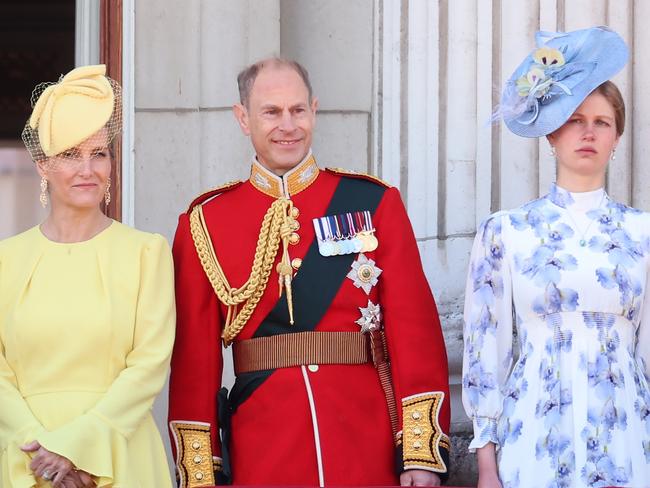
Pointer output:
x,y
542,81
548,56
533,78
539,79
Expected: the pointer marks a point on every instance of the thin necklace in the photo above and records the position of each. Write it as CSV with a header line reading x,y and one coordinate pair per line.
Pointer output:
x,y
583,241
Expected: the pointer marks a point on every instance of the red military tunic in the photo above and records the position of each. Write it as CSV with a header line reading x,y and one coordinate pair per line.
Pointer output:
x,y
324,424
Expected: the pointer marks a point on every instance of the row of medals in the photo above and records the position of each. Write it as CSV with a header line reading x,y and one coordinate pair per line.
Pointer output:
x,y
364,241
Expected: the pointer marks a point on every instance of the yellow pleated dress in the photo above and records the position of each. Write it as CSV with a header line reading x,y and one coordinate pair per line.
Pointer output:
x,y
86,333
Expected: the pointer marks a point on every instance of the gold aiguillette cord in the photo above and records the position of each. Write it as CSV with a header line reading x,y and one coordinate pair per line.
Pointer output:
x,y
276,226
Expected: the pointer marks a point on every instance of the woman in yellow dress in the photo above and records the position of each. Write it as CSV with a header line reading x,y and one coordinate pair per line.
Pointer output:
x,y
86,311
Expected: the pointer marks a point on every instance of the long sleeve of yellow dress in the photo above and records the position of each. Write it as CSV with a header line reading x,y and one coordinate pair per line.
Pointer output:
x,y
110,360
17,425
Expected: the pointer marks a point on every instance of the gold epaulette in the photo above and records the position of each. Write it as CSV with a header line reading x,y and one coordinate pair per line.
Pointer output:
x,y
356,174
203,197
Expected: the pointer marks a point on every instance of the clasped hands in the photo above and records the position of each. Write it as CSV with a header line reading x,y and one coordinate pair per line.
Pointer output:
x,y
57,469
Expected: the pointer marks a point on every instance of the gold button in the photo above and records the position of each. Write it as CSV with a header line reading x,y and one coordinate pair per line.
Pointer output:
x,y
294,238
416,415
295,212
417,431
296,263
198,459
198,475
196,445
417,445
313,368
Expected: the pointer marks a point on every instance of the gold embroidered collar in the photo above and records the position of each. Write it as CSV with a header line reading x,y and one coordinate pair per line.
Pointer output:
x,y
291,183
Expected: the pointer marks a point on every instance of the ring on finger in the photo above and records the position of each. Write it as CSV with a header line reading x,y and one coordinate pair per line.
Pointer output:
x,y
47,476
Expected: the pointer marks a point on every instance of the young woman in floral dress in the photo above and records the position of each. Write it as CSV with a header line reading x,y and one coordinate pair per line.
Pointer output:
x,y
568,404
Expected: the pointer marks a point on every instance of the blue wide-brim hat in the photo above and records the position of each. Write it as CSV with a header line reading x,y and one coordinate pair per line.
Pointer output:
x,y
555,78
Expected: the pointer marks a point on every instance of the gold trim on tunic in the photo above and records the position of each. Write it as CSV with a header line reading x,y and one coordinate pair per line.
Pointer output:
x,y
291,183
422,436
194,460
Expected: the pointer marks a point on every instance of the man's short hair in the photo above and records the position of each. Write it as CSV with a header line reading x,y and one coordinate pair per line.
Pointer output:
x,y
246,77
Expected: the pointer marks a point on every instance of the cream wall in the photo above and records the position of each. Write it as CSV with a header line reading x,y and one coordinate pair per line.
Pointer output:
x,y
406,88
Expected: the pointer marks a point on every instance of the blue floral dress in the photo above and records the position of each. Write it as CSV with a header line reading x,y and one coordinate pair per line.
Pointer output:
x,y
557,342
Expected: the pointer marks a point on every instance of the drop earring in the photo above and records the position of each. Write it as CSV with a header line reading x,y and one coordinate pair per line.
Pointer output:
x,y
43,197
552,151
613,156
107,193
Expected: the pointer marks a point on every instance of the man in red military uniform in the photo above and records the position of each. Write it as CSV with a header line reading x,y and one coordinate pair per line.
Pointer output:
x,y
314,278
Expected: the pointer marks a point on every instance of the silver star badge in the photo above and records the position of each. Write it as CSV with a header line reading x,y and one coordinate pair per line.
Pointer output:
x,y
364,273
370,317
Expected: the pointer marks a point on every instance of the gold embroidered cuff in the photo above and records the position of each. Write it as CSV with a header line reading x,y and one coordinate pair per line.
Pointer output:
x,y
194,460
422,437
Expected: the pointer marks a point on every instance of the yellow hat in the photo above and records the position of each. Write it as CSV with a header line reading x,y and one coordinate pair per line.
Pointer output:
x,y
68,112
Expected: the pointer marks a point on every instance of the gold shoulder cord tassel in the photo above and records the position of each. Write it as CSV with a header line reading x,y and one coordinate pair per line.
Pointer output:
x,y
284,268
277,226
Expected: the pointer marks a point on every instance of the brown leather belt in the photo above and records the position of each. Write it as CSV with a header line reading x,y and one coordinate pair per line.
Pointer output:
x,y
295,349
298,348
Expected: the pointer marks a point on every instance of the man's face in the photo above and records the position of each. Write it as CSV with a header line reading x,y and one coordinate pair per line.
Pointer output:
x,y
279,118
